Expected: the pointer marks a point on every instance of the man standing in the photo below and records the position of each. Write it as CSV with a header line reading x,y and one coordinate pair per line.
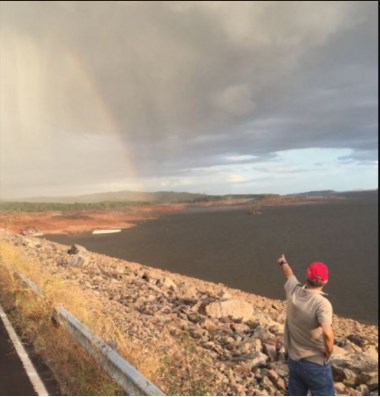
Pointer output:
x,y
309,337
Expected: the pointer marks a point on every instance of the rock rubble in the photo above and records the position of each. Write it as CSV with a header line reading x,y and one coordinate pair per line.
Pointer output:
x,y
219,340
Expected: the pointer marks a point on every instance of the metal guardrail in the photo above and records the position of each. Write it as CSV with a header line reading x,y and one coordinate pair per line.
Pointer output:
x,y
31,284
131,380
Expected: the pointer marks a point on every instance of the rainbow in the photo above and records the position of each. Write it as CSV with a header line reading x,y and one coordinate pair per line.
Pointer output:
x,y
103,111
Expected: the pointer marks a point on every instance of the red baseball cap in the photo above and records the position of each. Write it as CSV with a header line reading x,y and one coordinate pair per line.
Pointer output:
x,y
317,272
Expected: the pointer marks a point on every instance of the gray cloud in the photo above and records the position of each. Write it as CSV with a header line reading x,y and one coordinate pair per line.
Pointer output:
x,y
89,88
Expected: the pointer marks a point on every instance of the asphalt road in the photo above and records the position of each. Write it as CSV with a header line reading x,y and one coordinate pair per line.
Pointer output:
x,y
13,378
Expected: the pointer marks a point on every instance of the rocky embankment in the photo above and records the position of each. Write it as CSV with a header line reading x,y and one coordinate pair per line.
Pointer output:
x,y
216,340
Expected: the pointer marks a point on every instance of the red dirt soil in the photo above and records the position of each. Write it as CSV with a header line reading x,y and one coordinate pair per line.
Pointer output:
x,y
82,221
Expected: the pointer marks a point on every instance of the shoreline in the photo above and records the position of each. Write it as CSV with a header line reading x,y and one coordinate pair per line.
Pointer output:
x,y
189,279
193,278
86,221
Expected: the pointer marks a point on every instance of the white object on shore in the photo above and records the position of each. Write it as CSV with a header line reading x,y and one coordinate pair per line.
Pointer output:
x,y
106,231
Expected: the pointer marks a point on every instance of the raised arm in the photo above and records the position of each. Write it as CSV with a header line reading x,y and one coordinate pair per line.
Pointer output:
x,y
288,272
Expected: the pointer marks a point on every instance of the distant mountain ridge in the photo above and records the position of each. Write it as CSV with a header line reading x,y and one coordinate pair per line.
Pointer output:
x,y
348,193
141,197
315,193
170,197
149,197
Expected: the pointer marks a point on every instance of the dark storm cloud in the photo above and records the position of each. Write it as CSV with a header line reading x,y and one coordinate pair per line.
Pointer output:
x,y
185,84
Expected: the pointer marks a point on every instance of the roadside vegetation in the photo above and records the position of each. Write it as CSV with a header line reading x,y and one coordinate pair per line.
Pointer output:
x,y
31,314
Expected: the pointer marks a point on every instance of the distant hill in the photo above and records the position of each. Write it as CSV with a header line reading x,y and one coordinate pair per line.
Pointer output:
x,y
361,194
353,194
115,200
142,197
146,197
169,197
315,193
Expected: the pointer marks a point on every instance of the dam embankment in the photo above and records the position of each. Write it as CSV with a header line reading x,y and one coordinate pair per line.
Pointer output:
x,y
196,337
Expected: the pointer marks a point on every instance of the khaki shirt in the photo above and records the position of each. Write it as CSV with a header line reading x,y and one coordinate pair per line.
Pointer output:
x,y
307,309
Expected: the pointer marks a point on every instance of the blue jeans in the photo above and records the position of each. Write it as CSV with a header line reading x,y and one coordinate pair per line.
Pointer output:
x,y
306,376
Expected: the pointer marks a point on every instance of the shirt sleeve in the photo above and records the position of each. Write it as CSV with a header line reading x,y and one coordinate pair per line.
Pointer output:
x,y
324,312
290,285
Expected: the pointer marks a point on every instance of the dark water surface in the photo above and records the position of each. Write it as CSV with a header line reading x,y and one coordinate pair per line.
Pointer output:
x,y
240,250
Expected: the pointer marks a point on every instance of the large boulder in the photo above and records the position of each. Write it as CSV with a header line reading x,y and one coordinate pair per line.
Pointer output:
x,y
77,261
276,380
168,283
256,360
234,308
265,320
357,340
338,351
77,249
251,345
355,369
264,335
78,256
372,352
340,388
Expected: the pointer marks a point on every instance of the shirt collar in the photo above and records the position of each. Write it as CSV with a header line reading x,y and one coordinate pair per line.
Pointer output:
x,y
313,291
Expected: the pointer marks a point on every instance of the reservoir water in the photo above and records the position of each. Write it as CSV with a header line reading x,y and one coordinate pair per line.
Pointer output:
x,y
233,247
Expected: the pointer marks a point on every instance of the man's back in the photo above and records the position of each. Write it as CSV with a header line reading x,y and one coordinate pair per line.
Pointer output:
x,y
307,309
